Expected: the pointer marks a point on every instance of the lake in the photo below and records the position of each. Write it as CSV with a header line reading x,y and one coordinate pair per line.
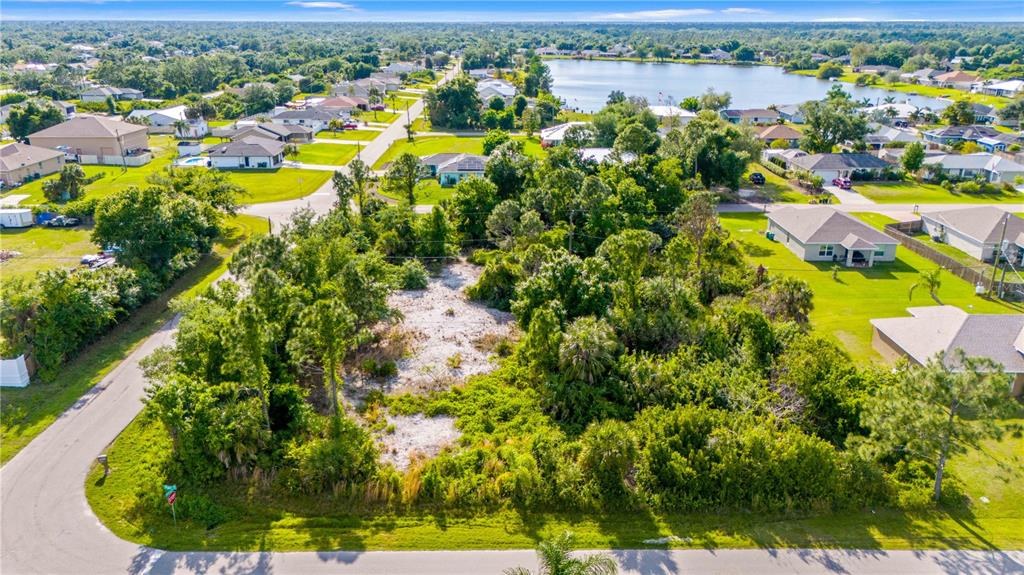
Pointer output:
x,y
584,85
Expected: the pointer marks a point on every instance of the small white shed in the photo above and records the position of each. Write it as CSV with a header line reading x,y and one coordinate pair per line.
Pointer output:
x,y
14,372
15,217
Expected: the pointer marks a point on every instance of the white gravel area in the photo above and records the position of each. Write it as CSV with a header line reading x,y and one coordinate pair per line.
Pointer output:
x,y
444,323
415,436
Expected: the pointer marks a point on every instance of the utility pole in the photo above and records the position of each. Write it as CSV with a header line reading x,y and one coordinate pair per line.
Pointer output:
x,y
996,252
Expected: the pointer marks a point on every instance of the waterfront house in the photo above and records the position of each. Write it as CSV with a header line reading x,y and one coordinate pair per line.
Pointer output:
x,y
878,69
1007,89
956,79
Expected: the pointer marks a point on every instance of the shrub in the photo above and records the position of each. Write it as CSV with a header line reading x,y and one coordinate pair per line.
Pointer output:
x,y
200,509
347,458
413,275
607,455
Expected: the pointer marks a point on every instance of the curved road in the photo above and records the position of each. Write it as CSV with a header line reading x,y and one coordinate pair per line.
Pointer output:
x,y
47,527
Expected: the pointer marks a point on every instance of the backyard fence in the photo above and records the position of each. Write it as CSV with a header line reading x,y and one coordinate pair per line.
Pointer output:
x,y
1012,290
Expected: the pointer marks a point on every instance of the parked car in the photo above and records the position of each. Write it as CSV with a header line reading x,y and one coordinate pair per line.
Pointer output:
x,y
63,222
842,183
757,178
377,107
350,125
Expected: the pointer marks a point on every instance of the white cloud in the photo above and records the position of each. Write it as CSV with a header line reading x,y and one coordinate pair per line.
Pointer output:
x,y
322,5
842,19
745,11
655,15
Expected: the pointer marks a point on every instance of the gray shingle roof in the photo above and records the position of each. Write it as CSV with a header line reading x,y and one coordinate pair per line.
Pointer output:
x,y
250,146
840,162
983,224
17,155
823,225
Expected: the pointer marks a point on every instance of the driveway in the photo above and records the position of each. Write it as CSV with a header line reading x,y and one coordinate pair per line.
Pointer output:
x,y
849,197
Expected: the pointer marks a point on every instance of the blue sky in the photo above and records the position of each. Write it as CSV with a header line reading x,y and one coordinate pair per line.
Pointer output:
x,y
518,10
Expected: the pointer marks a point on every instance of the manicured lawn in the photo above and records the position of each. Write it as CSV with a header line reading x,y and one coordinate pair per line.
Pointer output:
x,y
219,123
362,135
428,193
281,184
412,95
427,145
25,413
256,521
918,193
843,307
382,117
325,154
43,248
775,188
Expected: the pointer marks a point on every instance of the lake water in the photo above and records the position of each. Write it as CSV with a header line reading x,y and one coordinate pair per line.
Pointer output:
x,y
584,85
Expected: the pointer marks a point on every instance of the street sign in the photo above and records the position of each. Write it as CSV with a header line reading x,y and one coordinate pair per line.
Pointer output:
x,y
171,494
172,497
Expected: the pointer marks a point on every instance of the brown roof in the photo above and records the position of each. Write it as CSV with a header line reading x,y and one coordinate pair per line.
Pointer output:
x,y
89,127
343,102
779,132
956,76
16,155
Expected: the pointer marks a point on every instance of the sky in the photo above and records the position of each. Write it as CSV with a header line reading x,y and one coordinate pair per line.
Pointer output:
x,y
519,10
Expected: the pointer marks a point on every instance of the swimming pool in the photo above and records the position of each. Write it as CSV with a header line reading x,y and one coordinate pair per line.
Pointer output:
x,y
193,161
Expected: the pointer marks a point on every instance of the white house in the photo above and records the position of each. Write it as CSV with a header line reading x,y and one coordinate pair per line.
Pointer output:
x,y
831,166
975,231
554,135
402,68
491,88
316,119
822,234
1009,88
681,116
163,122
992,168
248,153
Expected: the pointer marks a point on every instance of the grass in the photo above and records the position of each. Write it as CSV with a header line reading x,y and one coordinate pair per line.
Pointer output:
x,y
427,145
775,188
920,193
43,248
362,135
220,123
843,307
256,521
325,154
428,193
280,184
25,413
381,117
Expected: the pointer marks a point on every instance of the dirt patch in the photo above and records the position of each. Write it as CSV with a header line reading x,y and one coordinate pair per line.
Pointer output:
x,y
410,436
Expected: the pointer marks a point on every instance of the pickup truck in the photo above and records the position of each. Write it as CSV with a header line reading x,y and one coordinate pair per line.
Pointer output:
x,y
62,222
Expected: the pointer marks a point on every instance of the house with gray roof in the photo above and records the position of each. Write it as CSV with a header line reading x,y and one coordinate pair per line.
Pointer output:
x,y
247,153
949,135
101,93
822,234
982,165
883,135
450,169
756,116
291,133
943,329
831,166
977,231
791,113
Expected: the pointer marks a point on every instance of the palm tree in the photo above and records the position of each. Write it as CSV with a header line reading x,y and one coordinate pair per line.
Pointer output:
x,y
930,281
181,128
889,99
588,350
556,559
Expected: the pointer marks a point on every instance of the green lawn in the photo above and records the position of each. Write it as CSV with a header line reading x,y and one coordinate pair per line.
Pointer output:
x,y
25,413
412,95
427,145
382,117
842,308
775,188
280,184
325,154
43,248
428,193
219,123
362,135
918,193
256,521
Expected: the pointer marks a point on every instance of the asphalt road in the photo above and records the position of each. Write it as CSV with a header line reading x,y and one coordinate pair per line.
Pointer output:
x,y
47,526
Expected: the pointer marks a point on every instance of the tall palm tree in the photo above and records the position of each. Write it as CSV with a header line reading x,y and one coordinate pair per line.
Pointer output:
x,y
181,128
556,559
930,281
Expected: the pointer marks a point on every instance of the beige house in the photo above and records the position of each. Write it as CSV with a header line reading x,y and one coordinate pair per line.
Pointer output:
x,y
20,163
97,140
822,234
945,328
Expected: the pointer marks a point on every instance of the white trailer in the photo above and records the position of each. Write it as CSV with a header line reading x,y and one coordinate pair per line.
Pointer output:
x,y
15,218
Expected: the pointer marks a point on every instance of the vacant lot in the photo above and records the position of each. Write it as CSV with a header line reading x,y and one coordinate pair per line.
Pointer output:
x,y
428,193
842,307
915,193
359,135
40,248
325,154
427,145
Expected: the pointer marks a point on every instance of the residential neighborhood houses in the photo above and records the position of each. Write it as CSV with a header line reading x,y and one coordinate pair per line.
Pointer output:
x,y
97,140
171,120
